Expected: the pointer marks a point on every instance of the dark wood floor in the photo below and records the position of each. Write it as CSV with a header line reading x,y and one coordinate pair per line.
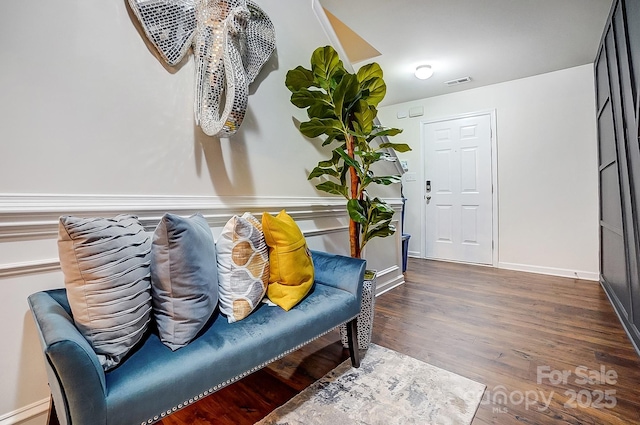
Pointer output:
x,y
552,346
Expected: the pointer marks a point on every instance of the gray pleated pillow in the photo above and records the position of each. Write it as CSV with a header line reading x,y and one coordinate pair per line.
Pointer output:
x,y
184,278
106,266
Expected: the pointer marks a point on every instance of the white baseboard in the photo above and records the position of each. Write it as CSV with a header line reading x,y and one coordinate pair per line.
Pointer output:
x,y
573,274
25,413
552,271
388,279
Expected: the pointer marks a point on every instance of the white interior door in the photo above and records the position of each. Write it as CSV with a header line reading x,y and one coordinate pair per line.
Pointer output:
x,y
458,189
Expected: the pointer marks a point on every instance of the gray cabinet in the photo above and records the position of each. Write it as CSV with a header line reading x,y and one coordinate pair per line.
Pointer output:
x,y
617,75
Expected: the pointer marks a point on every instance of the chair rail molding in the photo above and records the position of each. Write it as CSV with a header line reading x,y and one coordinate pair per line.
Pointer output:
x,y
29,217
29,267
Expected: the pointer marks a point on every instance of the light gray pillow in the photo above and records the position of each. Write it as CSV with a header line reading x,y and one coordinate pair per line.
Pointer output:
x,y
184,278
105,262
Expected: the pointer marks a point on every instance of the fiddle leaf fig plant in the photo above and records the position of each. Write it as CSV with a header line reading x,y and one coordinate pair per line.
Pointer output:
x,y
342,107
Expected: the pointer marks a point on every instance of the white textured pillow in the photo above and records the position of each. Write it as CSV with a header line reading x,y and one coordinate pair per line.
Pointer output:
x,y
106,271
243,266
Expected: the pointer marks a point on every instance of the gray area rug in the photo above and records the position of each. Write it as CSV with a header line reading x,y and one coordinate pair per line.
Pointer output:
x,y
388,388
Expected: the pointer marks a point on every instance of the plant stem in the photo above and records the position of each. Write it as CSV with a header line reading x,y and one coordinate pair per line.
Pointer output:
x,y
354,234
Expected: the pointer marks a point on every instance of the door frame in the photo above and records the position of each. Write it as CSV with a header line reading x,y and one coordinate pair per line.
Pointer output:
x,y
494,178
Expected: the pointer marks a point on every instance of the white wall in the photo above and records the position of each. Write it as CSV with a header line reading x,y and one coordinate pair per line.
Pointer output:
x,y
94,123
88,108
547,168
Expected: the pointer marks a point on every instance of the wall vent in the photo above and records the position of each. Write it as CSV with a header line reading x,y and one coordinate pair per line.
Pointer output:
x,y
458,81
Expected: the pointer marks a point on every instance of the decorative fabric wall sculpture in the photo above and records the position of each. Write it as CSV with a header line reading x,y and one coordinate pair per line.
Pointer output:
x,y
231,40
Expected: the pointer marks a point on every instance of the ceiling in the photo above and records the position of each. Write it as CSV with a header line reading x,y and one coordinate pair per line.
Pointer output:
x,y
491,41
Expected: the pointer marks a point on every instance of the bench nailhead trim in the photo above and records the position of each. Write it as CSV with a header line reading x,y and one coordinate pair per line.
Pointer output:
x,y
235,378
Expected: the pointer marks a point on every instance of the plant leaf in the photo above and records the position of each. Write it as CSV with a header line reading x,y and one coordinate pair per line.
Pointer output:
x,y
380,232
351,162
320,171
343,176
364,116
370,157
382,207
321,110
356,211
368,73
380,216
345,92
304,98
376,90
325,164
386,180
316,127
335,157
334,188
299,78
372,83
399,147
329,140
384,131
324,63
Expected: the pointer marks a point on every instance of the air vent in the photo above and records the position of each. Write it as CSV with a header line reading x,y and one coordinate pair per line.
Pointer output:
x,y
458,81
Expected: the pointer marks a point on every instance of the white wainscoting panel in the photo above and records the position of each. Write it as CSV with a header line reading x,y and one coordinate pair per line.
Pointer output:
x,y
29,263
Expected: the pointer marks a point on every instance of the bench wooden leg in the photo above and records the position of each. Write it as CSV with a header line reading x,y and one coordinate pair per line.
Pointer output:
x,y
352,336
52,416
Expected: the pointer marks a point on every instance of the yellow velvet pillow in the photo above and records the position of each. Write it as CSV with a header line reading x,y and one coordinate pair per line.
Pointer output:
x,y
290,264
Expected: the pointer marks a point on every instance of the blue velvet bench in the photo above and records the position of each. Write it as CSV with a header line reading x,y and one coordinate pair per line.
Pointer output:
x,y
153,382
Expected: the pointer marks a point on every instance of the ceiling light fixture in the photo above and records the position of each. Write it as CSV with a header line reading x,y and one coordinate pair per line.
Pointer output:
x,y
423,72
